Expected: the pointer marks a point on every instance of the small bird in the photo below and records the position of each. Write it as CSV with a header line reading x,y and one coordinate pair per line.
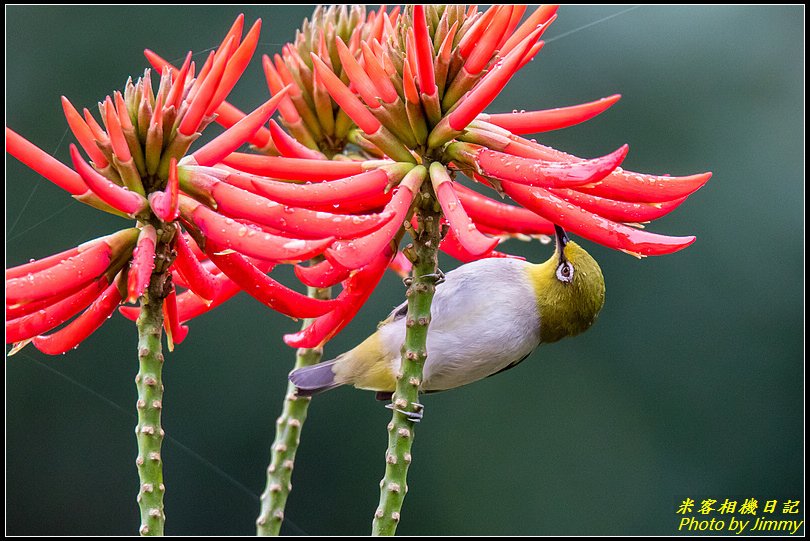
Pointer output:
x,y
486,317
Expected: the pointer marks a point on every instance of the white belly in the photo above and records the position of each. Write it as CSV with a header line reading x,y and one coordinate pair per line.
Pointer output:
x,y
475,330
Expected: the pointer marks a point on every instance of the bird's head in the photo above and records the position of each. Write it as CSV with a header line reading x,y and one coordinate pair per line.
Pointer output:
x,y
570,290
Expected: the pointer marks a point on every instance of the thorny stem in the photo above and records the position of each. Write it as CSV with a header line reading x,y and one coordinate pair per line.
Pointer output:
x,y
423,252
149,383
288,434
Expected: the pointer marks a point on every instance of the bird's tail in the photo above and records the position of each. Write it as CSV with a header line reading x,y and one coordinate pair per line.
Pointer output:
x,y
315,379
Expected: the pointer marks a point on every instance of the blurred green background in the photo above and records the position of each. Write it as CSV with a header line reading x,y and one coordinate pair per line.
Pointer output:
x,y
691,383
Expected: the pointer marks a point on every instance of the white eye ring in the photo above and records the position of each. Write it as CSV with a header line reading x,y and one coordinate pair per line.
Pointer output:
x,y
565,272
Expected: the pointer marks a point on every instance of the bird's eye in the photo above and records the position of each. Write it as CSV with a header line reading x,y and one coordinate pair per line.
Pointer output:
x,y
565,272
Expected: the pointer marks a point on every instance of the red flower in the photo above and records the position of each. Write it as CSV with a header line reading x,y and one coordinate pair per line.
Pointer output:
x,y
415,87
139,169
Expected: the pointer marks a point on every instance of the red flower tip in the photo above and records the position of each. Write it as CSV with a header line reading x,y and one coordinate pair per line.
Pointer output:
x,y
484,47
175,332
249,240
423,47
196,276
53,314
83,326
322,274
468,235
360,80
44,164
378,75
545,173
84,135
119,142
165,204
592,226
292,168
345,98
263,288
142,264
235,67
120,198
275,84
238,134
290,147
550,119
491,84
202,98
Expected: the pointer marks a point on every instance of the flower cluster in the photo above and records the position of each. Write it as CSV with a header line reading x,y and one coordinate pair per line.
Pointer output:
x,y
415,86
377,110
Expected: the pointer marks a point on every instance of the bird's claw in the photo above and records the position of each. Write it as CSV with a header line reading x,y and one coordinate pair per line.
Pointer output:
x,y
413,416
438,278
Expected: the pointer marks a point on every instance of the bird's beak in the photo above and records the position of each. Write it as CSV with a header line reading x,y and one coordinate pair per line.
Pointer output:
x,y
562,240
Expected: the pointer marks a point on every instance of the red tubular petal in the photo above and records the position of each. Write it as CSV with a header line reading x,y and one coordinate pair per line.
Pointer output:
x,y
205,92
508,218
292,168
121,110
175,95
543,15
114,195
175,332
344,97
325,193
84,135
452,247
266,290
360,252
117,139
545,173
409,84
47,262
236,65
355,206
275,83
196,276
70,274
359,79
166,204
385,89
142,264
235,31
83,326
238,203
289,147
592,226
44,164
423,47
228,116
54,315
490,85
621,185
619,211
460,223
323,274
249,240
551,119
238,134
517,14
190,305
98,132
473,35
358,289
485,47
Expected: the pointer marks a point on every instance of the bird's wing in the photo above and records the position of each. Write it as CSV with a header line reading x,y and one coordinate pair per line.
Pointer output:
x,y
511,365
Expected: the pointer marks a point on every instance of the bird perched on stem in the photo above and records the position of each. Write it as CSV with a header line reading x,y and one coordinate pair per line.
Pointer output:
x,y
487,316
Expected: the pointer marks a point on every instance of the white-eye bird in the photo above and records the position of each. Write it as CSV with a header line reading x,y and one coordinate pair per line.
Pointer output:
x,y
486,317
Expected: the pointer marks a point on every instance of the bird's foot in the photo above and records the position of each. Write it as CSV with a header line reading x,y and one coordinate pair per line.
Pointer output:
x,y
438,278
413,416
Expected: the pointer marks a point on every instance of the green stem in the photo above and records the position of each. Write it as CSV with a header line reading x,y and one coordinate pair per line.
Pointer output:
x,y
288,434
149,383
423,253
